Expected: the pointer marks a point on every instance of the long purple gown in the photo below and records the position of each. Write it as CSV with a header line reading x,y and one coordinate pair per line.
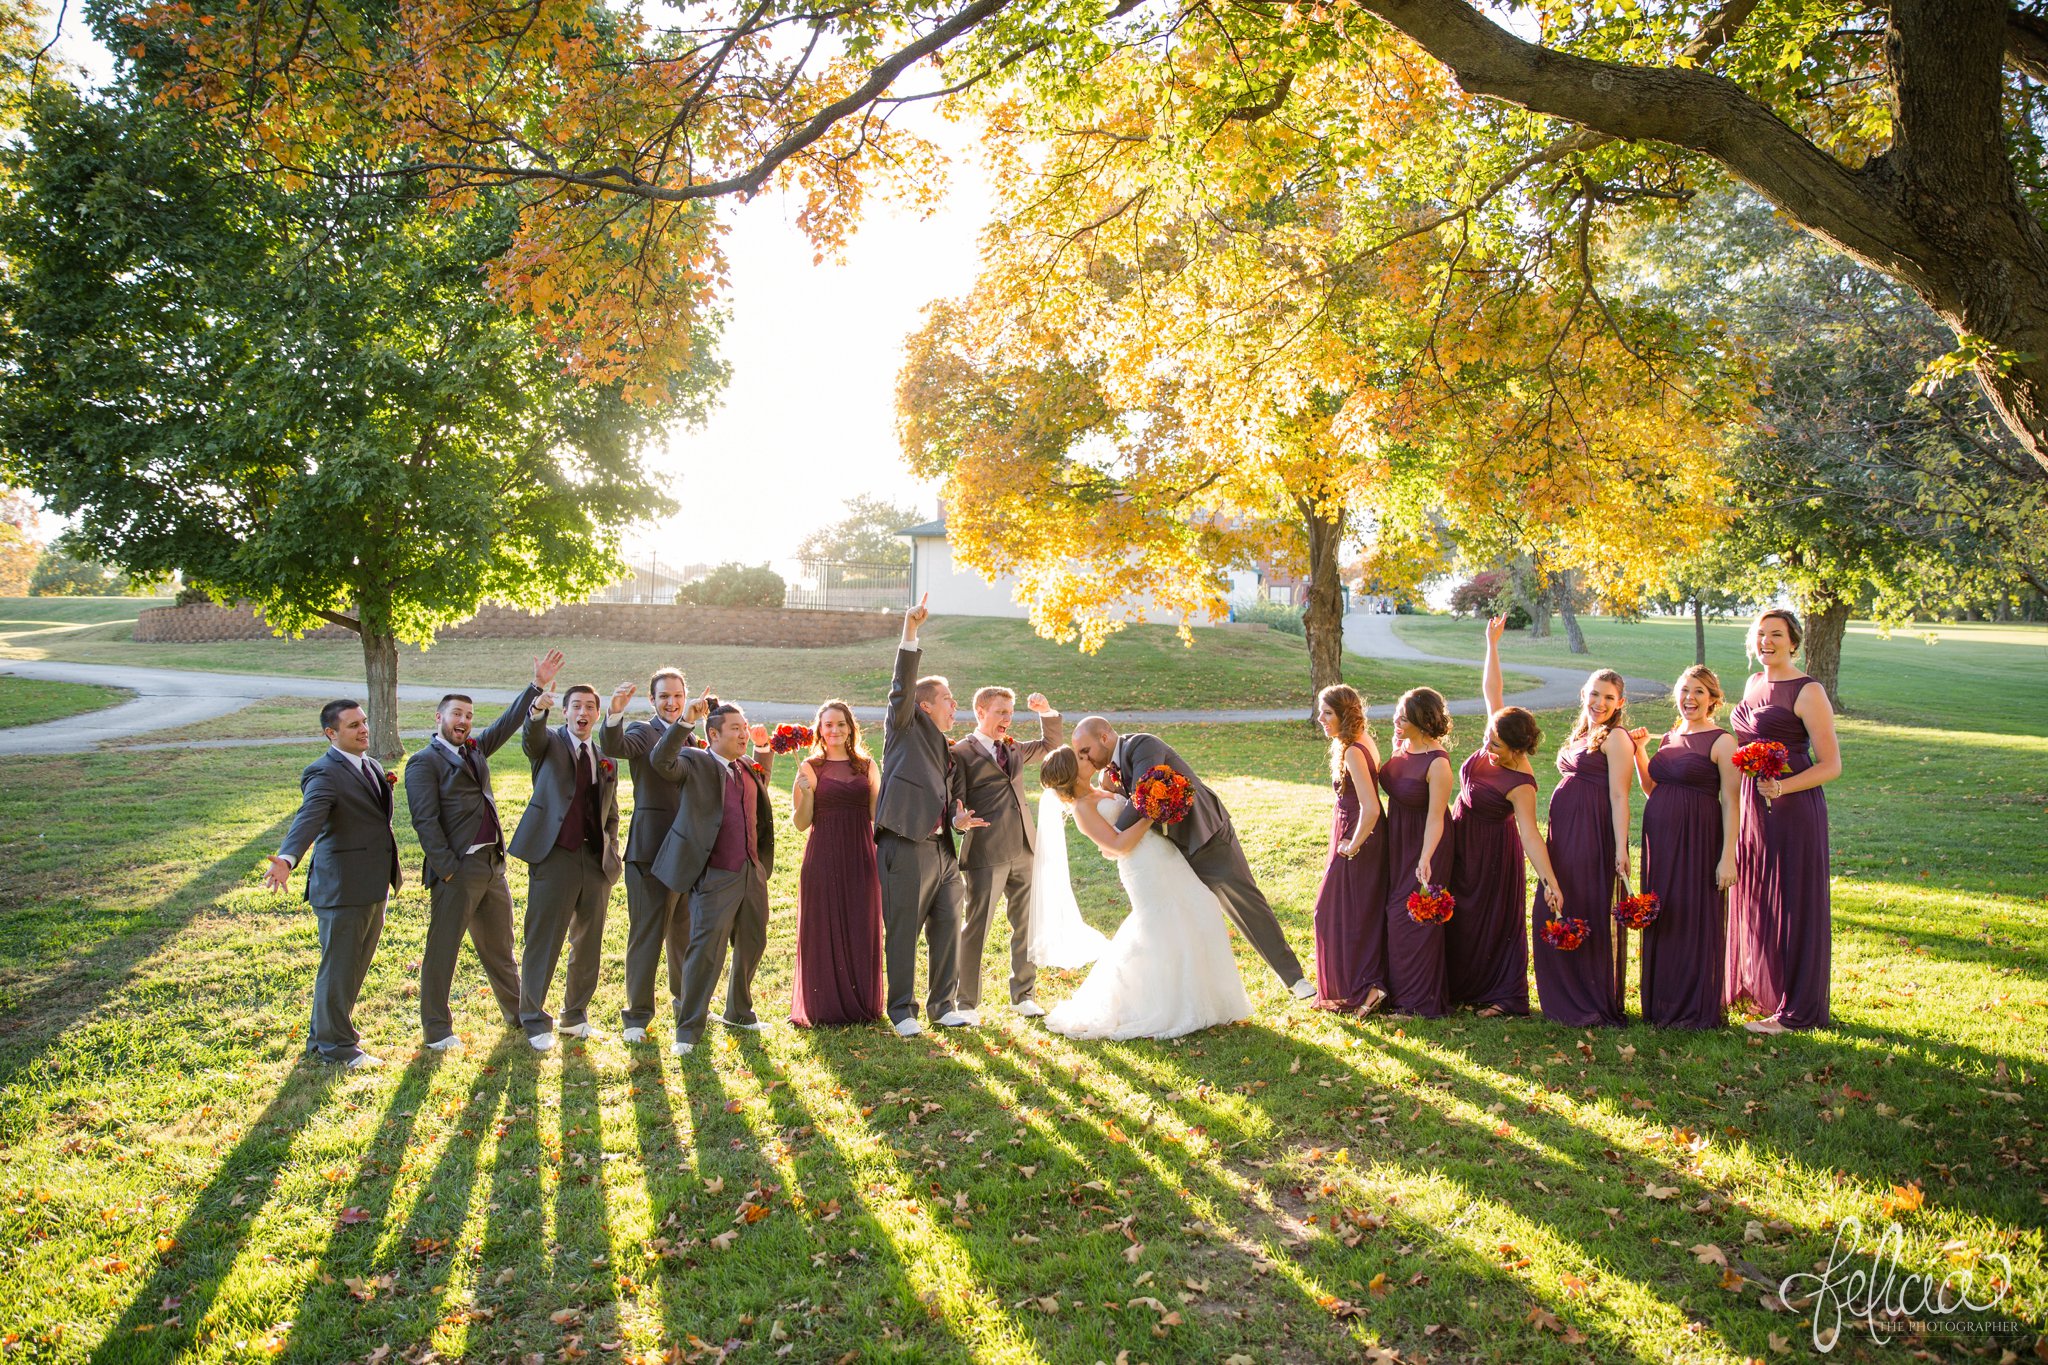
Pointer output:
x,y
1779,919
1486,953
1351,922
1577,987
839,906
1415,952
1681,847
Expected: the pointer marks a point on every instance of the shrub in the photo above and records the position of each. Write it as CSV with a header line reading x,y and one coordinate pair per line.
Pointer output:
x,y
1488,593
1275,614
59,574
734,585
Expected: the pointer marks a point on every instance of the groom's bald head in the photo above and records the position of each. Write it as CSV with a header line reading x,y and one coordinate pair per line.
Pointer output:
x,y
1095,740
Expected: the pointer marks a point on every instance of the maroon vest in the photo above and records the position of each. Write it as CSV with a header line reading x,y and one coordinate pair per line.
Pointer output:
x,y
735,846
579,823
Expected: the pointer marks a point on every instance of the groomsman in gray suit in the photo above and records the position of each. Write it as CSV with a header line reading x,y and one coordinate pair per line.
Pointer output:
x,y
569,838
1207,838
651,908
921,807
455,814
720,852
996,861
345,817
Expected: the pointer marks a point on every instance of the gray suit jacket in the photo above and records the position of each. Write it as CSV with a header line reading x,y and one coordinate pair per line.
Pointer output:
x,y
1137,755
447,805
920,781
655,798
355,857
553,755
701,776
1011,832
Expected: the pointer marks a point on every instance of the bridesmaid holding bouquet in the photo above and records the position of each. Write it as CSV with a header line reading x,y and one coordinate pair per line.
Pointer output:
x,y
1417,780
839,895
1779,917
1588,844
1486,949
1351,925
1689,825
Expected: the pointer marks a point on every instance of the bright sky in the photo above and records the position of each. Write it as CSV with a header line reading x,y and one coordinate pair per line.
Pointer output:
x,y
809,415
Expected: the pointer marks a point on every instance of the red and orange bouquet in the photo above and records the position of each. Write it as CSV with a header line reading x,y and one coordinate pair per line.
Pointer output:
x,y
787,739
1163,795
1431,905
1765,758
1565,935
1636,912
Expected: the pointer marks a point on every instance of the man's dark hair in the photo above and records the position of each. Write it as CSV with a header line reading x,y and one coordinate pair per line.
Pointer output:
x,y
715,720
442,705
570,695
330,714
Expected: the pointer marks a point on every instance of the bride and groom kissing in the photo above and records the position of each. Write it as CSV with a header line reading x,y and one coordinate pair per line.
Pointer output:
x,y
1169,970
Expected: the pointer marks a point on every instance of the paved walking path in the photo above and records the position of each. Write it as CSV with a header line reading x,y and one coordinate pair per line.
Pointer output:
x,y
169,698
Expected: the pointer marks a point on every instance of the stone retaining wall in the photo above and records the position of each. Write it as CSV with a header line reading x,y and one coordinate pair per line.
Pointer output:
x,y
642,623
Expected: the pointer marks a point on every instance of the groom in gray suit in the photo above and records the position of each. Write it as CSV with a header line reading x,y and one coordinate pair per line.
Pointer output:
x,y
721,852
569,838
920,869
1206,837
345,817
996,861
455,814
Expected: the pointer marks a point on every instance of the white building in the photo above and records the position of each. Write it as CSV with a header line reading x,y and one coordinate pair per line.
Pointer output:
x,y
956,590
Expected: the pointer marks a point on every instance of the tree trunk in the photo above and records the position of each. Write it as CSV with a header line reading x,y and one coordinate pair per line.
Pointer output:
x,y
1324,618
1826,618
1566,608
1699,632
380,678
1537,604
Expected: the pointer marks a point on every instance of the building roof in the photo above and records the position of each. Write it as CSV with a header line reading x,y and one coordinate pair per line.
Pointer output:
x,y
929,528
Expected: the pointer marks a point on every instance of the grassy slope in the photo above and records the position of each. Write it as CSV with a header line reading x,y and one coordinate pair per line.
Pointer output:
x,y
1142,667
27,702
176,1184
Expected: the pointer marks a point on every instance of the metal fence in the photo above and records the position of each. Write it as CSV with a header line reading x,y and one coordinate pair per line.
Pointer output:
x,y
818,585
810,584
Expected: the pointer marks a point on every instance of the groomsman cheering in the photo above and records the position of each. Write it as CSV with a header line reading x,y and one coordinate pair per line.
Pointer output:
x,y
568,837
721,852
996,861
920,869
345,817
455,814
651,908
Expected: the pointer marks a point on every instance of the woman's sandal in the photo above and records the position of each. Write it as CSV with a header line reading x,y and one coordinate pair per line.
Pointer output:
x,y
1492,1012
1374,998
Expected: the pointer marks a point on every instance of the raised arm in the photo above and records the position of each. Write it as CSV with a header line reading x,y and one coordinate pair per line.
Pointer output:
x,y
903,685
1109,838
667,757
1524,802
534,738
1489,676
1639,750
499,732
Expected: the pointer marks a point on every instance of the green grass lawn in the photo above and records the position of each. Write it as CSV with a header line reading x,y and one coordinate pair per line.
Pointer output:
x,y
1299,1188
24,701
1144,667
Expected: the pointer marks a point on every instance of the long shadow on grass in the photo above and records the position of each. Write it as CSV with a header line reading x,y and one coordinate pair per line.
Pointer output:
x,y
1281,1274
48,1015
584,1274
323,1316
512,1228
216,1230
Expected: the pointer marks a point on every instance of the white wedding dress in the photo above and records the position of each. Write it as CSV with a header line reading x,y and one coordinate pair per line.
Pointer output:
x,y
1169,970
1055,935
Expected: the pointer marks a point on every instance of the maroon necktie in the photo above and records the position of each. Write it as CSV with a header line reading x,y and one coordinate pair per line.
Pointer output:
x,y
486,828
1003,758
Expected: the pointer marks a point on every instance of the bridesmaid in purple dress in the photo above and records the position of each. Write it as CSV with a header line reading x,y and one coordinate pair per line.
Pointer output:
x,y
1779,920
1589,848
1351,922
839,896
1417,780
1688,855
1494,819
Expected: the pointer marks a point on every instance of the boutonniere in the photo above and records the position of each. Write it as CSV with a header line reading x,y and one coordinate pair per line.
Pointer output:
x,y
606,766
1113,775
1009,742
759,771
468,742
391,777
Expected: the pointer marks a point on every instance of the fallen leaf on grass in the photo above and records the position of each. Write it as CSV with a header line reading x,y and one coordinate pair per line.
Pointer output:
x,y
1543,1319
1902,1199
715,1185
1780,1345
352,1215
1731,1280
1377,1287
1708,1254
1659,1191
1133,1252
724,1240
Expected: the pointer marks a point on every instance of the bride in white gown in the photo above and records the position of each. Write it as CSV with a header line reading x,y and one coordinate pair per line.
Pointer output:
x,y
1169,969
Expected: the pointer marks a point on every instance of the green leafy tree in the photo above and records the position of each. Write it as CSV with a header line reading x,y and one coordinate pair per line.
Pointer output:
x,y
735,585
61,573
307,398
867,534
